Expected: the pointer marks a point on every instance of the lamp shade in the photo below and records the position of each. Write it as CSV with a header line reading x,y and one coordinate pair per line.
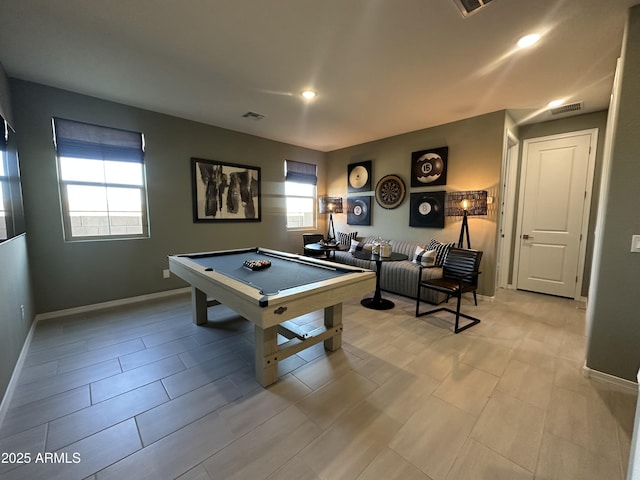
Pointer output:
x,y
474,200
330,204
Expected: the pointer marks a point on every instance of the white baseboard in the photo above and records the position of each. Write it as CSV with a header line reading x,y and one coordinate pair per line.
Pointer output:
x,y
487,298
113,303
13,381
605,377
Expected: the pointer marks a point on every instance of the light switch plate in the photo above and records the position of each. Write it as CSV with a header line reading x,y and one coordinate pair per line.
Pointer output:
x,y
635,243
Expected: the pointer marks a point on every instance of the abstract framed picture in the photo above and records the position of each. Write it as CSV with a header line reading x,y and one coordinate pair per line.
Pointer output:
x,y
359,177
225,192
429,167
427,209
359,210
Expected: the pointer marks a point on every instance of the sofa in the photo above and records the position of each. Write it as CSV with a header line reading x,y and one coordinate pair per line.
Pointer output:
x,y
399,277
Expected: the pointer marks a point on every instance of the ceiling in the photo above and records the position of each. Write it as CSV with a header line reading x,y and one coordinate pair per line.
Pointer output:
x,y
380,67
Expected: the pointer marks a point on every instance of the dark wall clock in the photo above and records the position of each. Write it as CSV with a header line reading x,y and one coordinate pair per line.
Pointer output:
x,y
390,191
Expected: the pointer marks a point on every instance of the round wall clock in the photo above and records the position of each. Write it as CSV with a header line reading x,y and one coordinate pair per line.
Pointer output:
x,y
390,191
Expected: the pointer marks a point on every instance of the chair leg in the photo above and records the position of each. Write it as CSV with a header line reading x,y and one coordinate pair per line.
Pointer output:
x,y
475,298
457,326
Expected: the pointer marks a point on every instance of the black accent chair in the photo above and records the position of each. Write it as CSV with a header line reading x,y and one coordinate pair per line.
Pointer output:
x,y
459,275
308,238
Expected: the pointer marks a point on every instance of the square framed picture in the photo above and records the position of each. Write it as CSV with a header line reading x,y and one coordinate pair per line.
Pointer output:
x,y
429,167
225,192
359,177
427,209
359,210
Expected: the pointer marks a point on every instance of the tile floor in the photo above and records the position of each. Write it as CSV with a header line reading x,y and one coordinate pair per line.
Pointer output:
x,y
140,392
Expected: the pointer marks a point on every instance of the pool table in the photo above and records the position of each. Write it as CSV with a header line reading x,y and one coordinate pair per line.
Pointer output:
x,y
291,286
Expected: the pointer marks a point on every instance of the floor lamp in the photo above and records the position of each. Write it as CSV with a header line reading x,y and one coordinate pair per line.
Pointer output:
x,y
331,205
466,204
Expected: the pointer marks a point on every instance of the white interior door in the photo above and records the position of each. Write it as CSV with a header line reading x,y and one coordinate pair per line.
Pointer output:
x,y
555,192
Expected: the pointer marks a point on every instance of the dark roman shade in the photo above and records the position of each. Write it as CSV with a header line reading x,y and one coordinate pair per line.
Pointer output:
x,y
83,140
301,172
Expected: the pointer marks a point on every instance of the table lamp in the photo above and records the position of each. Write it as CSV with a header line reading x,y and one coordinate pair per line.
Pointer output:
x,y
465,204
331,205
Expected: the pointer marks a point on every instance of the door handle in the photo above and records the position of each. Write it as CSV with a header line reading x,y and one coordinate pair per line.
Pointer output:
x,y
526,237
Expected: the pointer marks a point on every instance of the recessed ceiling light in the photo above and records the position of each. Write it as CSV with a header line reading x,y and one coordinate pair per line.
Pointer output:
x,y
309,94
528,40
556,103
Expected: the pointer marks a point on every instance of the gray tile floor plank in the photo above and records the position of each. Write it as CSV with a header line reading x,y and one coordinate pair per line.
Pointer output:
x,y
123,382
30,441
82,458
38,372
153,354
55,353
203,373
49,386
175,414
91,357
20,418
82,423
209,351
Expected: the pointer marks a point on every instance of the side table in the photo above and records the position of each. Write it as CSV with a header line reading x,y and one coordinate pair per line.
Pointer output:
x,y
377,302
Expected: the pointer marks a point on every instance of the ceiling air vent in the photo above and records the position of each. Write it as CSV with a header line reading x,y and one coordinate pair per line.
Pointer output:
x,y
253,116
570,107
467,7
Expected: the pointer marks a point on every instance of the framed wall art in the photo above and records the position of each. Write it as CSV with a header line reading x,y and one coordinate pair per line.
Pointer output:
x,y
359,177
429,167
390,191
359,210
225,192
427,209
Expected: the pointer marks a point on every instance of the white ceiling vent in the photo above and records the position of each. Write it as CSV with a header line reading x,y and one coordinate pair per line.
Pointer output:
x,y
569,107
467,7
253,116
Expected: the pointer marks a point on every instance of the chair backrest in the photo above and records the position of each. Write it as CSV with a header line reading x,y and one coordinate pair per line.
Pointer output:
x,y
308,238
462,261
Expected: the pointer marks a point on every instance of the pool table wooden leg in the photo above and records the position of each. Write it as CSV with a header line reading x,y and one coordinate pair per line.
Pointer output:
x,y
199,306
266,341
332,319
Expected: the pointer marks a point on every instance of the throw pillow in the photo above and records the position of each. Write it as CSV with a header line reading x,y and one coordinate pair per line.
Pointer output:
x,y
425,258
442,249
345,238
357,246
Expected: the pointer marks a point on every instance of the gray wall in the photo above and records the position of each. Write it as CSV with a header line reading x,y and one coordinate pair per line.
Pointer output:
x,y
72,274
573,124
614,306
475,161
15,283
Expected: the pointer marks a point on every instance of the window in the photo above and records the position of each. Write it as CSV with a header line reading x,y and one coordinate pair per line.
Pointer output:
x,y
300,190
11,211
102,181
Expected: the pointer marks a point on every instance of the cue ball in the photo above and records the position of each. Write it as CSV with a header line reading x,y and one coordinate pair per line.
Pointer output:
x,y
429,167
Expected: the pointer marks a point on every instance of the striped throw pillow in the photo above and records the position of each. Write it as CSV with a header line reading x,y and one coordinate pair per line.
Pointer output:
x,y
345,238
425,258
442,249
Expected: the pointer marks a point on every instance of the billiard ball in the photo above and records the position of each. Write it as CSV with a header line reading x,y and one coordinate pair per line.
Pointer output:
x,y
428,168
